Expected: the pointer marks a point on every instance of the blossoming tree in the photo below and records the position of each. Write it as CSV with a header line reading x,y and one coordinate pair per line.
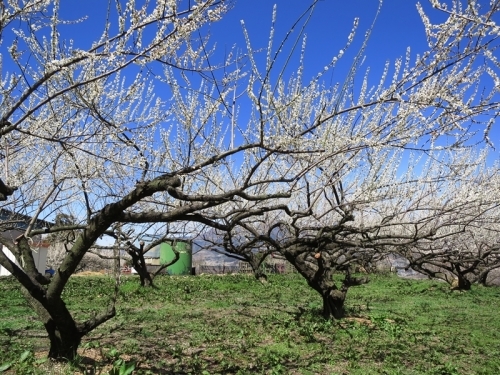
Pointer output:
x,y
376,169
82,138
73,132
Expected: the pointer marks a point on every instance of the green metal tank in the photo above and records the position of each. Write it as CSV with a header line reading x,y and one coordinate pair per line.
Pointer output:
x,y
184,264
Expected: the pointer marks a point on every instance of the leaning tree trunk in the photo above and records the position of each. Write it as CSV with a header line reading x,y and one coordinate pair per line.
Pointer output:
x,y
139,263
62,330
260,275
461,282
142,269
482,278
65,334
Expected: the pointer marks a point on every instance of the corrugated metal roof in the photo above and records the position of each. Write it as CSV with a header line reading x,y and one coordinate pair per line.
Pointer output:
x,y
20,221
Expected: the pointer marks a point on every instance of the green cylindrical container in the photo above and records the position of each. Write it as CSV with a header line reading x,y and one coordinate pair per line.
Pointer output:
x,y
184,264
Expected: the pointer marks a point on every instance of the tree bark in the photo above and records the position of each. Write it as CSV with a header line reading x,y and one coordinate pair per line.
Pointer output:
x,y
460,283
318,270
65,334
260,275
64,339
333,303
482,278
145,276
6,190
44,295
140,266
256,264
321,280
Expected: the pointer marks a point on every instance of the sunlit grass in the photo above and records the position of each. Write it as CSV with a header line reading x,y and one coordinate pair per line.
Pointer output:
x,y
237,325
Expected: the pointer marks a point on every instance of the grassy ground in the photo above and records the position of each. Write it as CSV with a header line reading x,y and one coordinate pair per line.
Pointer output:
x,y
236,325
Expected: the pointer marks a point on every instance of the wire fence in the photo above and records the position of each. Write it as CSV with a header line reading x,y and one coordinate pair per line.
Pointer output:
x,y
242,267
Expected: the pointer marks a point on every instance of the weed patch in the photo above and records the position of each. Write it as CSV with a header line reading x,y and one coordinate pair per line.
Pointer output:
x,y
236,325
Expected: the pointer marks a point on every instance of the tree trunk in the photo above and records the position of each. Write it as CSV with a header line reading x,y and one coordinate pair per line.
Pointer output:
x,y
65,334
333,296
333,304
140,266
482,278
321,280
64,339
146,279
260,275
144,275
460,283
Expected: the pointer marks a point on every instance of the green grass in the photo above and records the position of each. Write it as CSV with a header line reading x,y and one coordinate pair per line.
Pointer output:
x,y
236,325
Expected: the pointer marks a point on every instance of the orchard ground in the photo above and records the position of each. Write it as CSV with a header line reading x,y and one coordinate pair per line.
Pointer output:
x,y
233,324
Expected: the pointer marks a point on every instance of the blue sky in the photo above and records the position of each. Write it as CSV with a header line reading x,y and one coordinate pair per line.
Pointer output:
x,y
398,26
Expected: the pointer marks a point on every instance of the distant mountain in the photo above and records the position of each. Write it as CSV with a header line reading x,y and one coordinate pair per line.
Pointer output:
x,y
203,255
